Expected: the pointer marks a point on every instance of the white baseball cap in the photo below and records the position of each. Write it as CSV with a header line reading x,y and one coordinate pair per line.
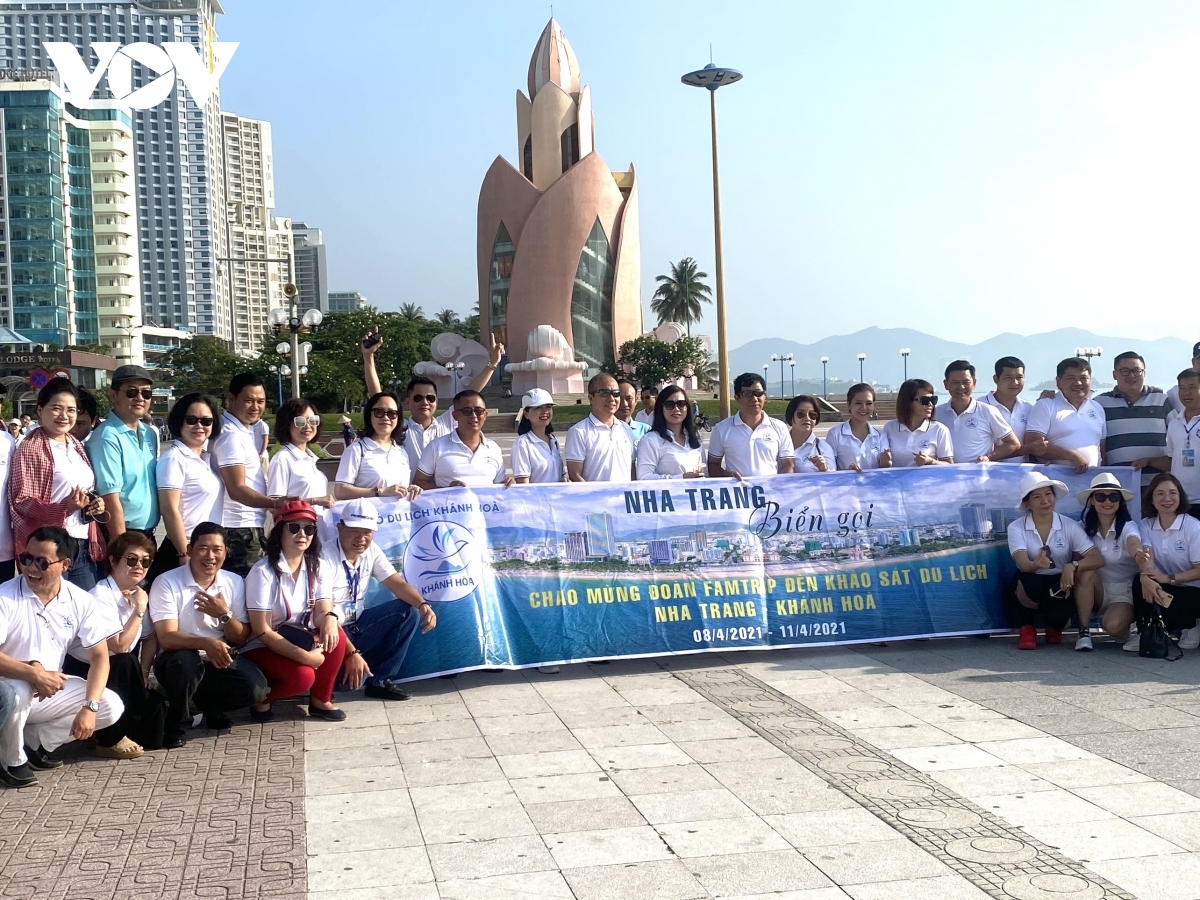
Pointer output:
x,y
536,397
360,513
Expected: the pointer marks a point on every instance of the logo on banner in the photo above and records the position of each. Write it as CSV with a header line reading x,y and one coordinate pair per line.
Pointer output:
x,y
442,562
168,61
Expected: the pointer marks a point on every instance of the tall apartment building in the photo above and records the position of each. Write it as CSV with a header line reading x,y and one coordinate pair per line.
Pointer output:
x,y
68,236
177,144
310,275
346,301
260,245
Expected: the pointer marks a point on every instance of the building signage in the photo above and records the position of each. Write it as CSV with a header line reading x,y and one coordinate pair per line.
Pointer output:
x,y
169,61
26,74
31,359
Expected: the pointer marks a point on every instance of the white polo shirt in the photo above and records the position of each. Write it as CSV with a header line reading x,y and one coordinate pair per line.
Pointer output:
x,y
448,459
173,596
349,583
116,607
7,549
366,464
1183,446
751,451
659,457
1176,549
1069,428
1017,418
849,450
930,438
201,491
261,430
287,599
32,631
293,472
1066,538
606,453
976,431
235,447
71,471
815,446
1119,565
539,461
646,418
418,438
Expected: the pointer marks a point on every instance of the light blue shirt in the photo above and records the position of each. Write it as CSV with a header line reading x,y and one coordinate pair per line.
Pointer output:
x,y
124,461
639,429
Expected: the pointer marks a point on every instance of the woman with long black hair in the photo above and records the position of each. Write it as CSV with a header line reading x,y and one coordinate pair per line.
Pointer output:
x,y
672,447
1107,521
377,465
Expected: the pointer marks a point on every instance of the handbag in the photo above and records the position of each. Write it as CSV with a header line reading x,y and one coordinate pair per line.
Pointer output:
x,y
1155,642
296,635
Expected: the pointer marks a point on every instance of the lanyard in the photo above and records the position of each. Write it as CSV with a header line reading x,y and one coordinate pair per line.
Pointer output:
x,y
352,579
1188,431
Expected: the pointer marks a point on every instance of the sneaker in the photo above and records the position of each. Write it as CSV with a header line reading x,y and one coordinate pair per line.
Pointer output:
x,y
1084,643
1133,645
40,759
385,690
1053,636
1190,638
548,670
17,776
1027,639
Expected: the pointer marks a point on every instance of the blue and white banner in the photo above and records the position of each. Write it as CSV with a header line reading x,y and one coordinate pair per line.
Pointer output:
x,y
540,574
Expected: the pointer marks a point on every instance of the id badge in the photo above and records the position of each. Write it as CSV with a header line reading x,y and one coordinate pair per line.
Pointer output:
x,y
1189,458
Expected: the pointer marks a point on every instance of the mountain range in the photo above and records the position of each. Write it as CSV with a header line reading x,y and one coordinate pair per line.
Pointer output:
x,y
1165,357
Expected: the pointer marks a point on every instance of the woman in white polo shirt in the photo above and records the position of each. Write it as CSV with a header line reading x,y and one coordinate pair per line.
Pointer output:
x,y
857,444
536,457
1107,521
189,489
1170,560
293,470
915,437
812,453
672,448
377,465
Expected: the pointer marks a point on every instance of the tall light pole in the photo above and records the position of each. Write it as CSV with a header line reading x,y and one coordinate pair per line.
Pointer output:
x,y
454,368
825,376
766,367
781,358
904,351
1089,352
287,320
861,358
792,363
711,77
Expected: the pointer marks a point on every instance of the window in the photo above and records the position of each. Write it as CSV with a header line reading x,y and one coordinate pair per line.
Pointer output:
x,y
591,302
527,158
569,142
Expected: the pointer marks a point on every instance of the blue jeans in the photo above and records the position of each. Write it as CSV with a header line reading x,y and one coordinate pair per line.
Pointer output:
x,y
83,573
382,634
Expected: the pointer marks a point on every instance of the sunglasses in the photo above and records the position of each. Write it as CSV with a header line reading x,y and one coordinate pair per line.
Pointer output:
x,y
928,400
39,562
137,562
296,528
674,404
805,414
206,421
310,421
427,398
1107,496
475,412
606,392
379,413
753,394
134,393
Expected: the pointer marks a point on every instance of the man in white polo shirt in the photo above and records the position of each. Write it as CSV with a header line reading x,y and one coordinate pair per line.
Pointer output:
x,y
600,448
1183,438
199,615
1173,393
750,444
1009,379
41,615
1068,427
377,637
646,413
464,457
977,431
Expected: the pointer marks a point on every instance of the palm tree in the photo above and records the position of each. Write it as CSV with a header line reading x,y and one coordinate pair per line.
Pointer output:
x,y
447,317
412,313
679,295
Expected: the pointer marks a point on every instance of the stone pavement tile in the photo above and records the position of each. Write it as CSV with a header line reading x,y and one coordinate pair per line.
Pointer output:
x,y
832,701
1128,800
1181,829
1041,808
619,735
660,779
943,887
1104,839
1078,722
1190,786
667,695
541,742
440,751
1033,750
769,871
684,712
721,837
368,869
551,762
583,815
871,717
359,807
875,861
439,730
382,833
791,797
706,730
1022,704
410,713
554,788
456,771
724,750
503,820
359,714
831,826
922,695
1154,718
950,756
957,710
428,891
640,756
667,879
525,886
492,708
829,893
997,729
686,806
583,717
583,849
523,724
1099,699
345,781
320,761
735,774
1154,878
1078,773
904,736
473,795
482,859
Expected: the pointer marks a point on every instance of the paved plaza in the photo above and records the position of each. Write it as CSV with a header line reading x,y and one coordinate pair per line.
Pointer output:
x,y
941,770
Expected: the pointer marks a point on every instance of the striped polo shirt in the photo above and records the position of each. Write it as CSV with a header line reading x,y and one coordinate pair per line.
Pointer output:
x,y
1135,430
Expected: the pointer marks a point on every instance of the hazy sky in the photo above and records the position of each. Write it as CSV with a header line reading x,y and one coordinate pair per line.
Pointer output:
x,y
960,168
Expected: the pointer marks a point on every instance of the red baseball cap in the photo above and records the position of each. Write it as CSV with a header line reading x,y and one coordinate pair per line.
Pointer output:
x,y
296,511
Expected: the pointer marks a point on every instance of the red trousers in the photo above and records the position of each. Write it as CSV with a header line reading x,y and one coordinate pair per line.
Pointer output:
x,y
288,678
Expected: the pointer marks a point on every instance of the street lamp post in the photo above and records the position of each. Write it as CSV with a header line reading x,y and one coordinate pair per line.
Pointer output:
x,y
280,373
287,319
781,358
861,358
766,368
792,363
1089,352
904,351
711,77
825,376
454,368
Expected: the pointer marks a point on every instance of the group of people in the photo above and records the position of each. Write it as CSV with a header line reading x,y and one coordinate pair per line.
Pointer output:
x,y
108,635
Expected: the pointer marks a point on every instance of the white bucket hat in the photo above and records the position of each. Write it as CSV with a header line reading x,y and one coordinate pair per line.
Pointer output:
x,y
1105,480
1034,480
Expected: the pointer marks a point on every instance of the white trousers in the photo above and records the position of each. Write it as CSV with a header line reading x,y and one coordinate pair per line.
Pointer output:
x,y
47,723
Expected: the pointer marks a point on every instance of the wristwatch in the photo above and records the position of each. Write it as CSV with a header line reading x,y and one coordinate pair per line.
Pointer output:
x,y
92,706
225,619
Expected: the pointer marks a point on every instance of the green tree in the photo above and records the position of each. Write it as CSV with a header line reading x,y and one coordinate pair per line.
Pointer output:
x,y
99,349
204,364
680,295
412,312
652,362
447,317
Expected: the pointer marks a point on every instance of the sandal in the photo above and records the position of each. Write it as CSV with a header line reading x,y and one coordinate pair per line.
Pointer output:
x,y
122,749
